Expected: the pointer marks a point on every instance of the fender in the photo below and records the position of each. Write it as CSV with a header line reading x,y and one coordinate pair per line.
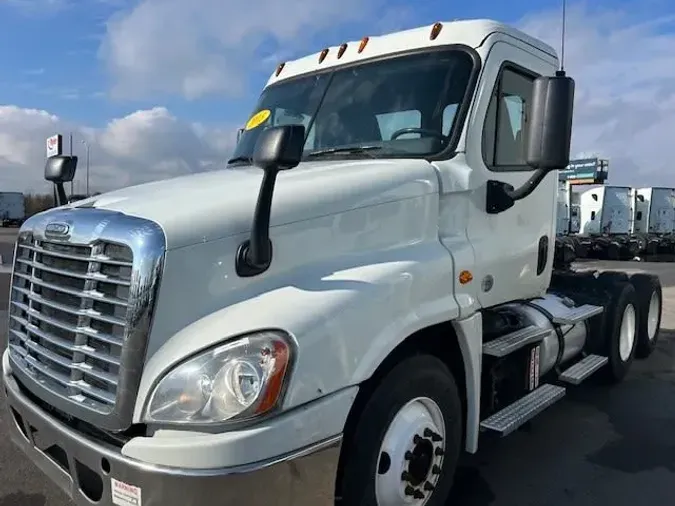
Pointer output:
x,y
344,324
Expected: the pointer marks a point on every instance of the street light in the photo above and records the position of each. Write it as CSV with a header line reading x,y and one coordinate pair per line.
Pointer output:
x,y
86,145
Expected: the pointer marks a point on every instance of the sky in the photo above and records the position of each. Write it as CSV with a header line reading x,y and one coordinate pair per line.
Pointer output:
x,y
157,88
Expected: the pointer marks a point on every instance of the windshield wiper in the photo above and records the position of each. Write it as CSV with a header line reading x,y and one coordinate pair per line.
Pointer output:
x,y
240,159
346,150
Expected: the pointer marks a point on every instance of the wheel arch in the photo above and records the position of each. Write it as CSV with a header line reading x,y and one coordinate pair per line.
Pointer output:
x,y
459,345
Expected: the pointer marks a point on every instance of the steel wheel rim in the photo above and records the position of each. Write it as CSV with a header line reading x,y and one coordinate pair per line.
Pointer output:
x,y
411,455
627,333
653,316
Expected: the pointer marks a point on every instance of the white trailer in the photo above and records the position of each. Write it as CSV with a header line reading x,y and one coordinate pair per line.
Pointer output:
x,y
341,312
654,218
606,218
12,208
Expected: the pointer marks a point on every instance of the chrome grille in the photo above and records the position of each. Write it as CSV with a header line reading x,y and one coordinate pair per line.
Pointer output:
x,y
68,316
83,291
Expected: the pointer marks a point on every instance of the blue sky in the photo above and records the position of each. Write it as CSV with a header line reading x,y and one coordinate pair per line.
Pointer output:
x,y
157,87
50,51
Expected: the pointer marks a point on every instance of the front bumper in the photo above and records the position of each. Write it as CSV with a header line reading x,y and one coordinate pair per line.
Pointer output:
x,y
88,470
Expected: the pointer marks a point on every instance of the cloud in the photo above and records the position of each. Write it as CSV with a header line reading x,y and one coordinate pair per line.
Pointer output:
x,y
202,47
624,68
143,146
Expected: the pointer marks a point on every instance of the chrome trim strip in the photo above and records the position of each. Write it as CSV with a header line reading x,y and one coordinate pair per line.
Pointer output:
x,y
89,227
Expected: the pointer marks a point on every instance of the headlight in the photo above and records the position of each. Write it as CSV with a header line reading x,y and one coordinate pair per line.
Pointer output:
x,y
241,379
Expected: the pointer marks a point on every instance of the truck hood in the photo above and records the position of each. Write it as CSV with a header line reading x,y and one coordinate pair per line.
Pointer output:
x,y
213,205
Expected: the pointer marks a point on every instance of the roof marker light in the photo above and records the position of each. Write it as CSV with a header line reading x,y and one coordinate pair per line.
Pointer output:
x,y
362,46
342,50
280,68
323,55
435,30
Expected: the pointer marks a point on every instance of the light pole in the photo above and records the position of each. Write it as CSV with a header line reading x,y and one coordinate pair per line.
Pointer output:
x,y
86,145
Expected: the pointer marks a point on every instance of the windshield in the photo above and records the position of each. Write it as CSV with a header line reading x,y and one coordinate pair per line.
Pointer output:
x,y
398,107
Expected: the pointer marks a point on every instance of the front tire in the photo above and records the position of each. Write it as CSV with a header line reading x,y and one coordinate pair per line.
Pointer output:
x,y
407,439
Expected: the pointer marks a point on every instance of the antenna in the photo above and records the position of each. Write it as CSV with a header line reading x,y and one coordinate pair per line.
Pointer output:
x,y
561,72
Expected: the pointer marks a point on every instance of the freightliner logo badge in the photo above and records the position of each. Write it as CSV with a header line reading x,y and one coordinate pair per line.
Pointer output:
x,y
57,229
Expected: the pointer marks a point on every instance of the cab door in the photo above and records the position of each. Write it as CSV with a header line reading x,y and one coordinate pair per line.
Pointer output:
x,y
509,254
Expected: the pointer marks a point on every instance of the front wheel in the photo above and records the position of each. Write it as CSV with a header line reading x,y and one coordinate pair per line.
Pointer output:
x,y
407,439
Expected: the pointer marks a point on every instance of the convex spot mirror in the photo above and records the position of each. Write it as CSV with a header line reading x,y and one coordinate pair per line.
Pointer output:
x,y
549,126
61,168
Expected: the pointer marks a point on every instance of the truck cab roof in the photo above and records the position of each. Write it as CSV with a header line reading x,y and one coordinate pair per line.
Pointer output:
x,y
470,33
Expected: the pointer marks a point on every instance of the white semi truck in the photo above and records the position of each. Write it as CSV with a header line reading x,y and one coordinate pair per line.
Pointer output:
x,y
337,333
12,209
654,218
606,217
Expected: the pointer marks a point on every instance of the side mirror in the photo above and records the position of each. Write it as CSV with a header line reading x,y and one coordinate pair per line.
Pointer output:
x,y
548,137
549,129
279,147
60,169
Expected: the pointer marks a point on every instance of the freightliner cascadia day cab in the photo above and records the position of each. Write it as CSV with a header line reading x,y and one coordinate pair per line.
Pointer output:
x,y
338,333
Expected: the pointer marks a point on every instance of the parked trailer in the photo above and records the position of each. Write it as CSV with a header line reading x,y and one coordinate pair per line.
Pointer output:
x,y
12,209
654,218
606,216
333,335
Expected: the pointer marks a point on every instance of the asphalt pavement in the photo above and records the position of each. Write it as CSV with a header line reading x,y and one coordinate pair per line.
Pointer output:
x,y
598,446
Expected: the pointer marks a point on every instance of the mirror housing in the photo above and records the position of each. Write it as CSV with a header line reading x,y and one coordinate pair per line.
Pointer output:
x,y
549,127
278,148
548,136
61,168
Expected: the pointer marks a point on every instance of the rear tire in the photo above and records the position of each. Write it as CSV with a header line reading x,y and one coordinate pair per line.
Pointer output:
x,y
394,456
650,305
622,325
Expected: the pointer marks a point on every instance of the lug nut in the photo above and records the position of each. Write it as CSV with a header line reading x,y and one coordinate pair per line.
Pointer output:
x,y
431,434
406,476
417,439
408,456
439,452
409,490
435,469
418,495
428,486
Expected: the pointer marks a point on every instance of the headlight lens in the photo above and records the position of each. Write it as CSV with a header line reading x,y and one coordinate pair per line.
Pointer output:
x,y
240,379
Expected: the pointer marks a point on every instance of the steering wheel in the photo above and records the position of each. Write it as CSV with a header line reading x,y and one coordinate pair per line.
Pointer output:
x,y
422,131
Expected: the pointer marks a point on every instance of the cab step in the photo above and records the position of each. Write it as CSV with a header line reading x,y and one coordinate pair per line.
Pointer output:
x,y
514,415
509,343
583,369
578,314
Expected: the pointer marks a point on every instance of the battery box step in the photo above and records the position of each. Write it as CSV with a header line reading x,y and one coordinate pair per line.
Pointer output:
x,y
583,369
514,415
513,341
577,314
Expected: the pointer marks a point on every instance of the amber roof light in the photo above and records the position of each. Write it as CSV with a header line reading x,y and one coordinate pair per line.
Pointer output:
x,y
280,68
342,50
435,30
362,46
323,55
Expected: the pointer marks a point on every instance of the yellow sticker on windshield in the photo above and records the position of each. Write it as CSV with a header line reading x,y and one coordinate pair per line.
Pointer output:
x,y
258,119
